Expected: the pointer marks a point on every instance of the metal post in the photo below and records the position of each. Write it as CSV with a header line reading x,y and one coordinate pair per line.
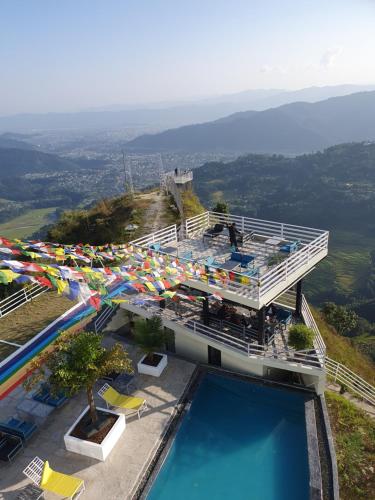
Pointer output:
x,y
206,317
299,298
261,325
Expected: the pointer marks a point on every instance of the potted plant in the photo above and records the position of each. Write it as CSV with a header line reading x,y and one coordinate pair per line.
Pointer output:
x,y
77,361
301,337
150,337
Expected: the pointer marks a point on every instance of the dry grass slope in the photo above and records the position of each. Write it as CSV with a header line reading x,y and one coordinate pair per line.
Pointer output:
x,y
29,319
340,349
354,434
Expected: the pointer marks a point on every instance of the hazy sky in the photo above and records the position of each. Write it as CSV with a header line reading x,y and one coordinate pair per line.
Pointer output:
x,y
61,55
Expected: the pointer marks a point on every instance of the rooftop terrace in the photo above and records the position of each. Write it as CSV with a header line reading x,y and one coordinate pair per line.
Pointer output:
x,y
270,271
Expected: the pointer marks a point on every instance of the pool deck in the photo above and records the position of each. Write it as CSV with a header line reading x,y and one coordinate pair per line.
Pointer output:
x,y
116,478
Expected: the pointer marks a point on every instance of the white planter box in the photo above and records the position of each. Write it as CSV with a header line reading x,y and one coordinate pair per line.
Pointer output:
x,y
94,450
155,371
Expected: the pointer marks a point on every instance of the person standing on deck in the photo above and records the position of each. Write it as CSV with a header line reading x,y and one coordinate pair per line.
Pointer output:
x,y
233,236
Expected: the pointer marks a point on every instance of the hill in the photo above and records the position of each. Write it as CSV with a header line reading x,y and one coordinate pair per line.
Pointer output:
x,y
334,190
172,114
107,220
16,162
290,129
13,141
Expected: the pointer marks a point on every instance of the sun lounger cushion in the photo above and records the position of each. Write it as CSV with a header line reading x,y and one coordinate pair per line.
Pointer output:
x,y
114,398
61,484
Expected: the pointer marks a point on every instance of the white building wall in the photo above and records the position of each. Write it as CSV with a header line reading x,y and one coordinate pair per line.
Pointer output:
x,y
191,348
235,363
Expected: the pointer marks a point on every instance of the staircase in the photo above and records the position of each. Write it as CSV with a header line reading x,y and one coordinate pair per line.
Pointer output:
x,y
102,320
356,384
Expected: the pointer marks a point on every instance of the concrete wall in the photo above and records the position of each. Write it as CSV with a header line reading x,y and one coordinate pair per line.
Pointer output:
x,y
318,382
235,363
191,348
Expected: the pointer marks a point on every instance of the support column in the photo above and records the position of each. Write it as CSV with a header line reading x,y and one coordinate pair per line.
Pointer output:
x,y
206,314
261,325
299,298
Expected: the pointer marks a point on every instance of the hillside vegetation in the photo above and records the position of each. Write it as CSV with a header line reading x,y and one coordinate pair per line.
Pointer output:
x,y
104,223
354,434
342,350
191,204
333,190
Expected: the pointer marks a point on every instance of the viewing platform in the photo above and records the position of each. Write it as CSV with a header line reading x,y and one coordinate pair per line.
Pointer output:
x,y
270,257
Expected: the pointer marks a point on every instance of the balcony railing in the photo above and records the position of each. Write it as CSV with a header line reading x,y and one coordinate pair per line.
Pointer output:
x,y
249,349
314,247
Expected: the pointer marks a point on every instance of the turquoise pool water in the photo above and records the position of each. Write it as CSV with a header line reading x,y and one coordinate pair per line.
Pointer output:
x,y
238,441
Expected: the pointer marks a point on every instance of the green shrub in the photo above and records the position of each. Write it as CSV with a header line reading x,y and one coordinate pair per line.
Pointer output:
x,y
149,335
301,337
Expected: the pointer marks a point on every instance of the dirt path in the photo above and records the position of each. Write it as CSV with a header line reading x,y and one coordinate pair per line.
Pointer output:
x,y
154,217
369,409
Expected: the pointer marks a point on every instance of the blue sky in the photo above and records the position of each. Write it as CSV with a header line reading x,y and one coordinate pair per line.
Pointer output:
x,y
63,55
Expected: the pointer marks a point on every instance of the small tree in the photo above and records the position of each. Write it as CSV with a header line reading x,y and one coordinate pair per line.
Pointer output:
x,y
149,336
77,362
342,318
301,337
221,207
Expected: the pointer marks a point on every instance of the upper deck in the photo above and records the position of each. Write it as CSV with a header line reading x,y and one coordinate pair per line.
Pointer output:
x,y
271,270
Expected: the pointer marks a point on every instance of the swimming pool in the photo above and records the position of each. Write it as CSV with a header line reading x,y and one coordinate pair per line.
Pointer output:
x,y
238,440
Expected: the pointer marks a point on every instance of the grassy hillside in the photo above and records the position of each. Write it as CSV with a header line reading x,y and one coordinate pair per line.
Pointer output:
x,y
341,349
354,434
191,204
26,224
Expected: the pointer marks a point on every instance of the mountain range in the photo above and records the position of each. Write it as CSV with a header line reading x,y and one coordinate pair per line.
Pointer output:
x,y
294,128
172,114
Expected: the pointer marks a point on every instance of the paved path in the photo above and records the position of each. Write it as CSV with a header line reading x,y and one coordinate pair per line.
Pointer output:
x,y
369,409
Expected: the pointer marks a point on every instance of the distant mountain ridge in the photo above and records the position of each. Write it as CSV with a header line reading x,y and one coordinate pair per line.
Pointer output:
x,y
294,128
172,114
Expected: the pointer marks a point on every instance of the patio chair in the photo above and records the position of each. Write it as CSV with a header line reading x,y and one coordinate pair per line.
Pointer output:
x,y
43,395
64,485
154,246
284,317
17,427
118,400
213,232
290,247
251,272
10,446
211,262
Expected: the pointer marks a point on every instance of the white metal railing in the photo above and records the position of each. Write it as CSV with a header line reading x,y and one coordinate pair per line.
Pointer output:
x,y
309,320
287,355
314,247
164,236
20,297
340,373
102,319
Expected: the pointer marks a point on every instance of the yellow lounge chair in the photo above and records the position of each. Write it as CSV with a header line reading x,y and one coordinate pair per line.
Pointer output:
x,y
114,398
47,479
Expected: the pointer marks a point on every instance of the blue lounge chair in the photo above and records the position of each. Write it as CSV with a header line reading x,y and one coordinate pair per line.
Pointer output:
x,y
251,272
20,428
186,255
211,262
155,246
44,396
290,247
